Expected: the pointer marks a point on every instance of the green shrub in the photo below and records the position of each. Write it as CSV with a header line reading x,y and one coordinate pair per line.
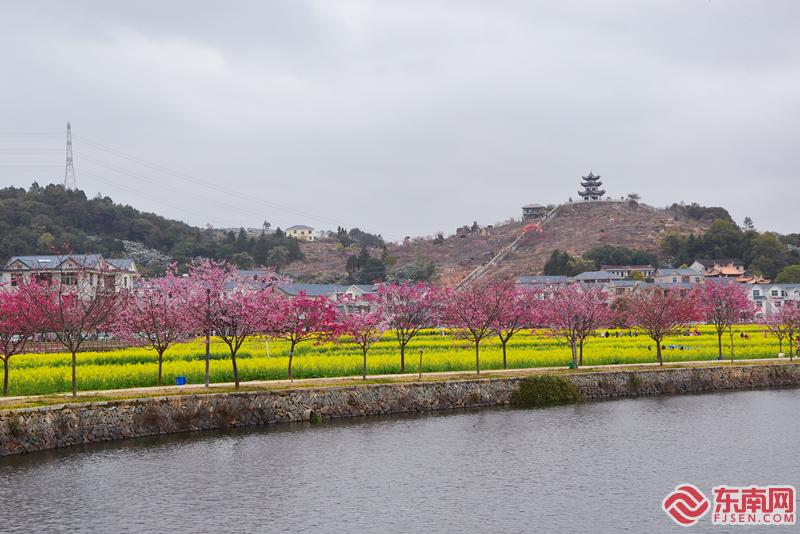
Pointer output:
x,y
545,390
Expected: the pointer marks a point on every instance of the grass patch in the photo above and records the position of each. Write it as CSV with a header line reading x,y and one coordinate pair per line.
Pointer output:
x,y
545,390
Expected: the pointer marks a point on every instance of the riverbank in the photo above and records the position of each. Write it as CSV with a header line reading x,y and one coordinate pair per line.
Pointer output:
x,y
61,425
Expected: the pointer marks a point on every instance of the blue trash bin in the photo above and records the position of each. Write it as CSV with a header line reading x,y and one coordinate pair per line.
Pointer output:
x,y
180,380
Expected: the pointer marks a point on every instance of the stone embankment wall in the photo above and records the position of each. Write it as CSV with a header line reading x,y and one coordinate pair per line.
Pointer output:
x,y
32,429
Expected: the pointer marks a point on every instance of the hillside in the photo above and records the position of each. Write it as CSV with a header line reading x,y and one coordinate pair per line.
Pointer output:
x,y
575,228
42,220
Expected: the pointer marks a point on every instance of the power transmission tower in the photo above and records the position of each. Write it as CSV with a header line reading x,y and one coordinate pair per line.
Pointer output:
x,y
69,172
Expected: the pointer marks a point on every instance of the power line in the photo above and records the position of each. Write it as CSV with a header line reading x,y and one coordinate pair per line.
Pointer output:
x,y
103,180
205,183
155,181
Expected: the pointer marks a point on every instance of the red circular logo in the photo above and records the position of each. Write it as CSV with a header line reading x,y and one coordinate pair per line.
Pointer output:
x,y
686,505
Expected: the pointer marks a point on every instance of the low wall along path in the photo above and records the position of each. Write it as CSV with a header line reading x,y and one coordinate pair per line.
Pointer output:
x,y
32,429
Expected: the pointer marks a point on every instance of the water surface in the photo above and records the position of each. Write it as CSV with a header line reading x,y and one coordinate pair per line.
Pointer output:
x,y
595,467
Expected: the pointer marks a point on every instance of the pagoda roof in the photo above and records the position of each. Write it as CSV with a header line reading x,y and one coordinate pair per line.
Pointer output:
x,y
597,192
591,176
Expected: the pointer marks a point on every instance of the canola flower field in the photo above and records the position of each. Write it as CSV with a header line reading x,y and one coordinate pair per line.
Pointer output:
x,y
34,374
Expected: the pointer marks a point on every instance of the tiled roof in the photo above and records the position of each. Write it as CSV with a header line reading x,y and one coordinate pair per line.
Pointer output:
x,y
678,272
596,275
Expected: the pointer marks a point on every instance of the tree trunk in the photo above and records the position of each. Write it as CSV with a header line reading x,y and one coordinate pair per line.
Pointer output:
x,y
5,376
580,361
420,364
235,369
780,346
719,344
208,356
364,370
574,355
291,355
505,364
402,357
658,353
74,375
731,333
477,358
160,362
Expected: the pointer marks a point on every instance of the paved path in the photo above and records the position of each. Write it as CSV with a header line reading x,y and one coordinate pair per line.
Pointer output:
x,y
334,381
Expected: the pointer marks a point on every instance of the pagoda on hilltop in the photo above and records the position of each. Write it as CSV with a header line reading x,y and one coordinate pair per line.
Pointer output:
x,y
591,187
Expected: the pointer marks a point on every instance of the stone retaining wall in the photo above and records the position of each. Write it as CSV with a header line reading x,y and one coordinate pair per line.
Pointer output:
x,y
32,429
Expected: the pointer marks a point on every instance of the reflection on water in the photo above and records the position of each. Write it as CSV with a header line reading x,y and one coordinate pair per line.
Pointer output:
x,y
598,467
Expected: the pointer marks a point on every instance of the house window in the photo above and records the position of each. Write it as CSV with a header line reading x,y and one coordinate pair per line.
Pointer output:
x,y
14,280
756,292
778,304
697,279
774,293
674,279
69,279
783,293
759,304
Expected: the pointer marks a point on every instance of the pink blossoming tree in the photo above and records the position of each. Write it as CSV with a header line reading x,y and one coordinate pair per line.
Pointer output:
x,y
365,327
17,327
72,308
240,313
785,324
474,311
519,309
573,313
207,280
659,312
723,305
158,312
304,318
409,308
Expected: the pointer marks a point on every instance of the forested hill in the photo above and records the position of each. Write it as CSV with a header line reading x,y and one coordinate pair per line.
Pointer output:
x,y
42,219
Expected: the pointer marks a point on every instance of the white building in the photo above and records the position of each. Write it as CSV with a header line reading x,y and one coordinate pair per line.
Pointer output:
x,y
301,232
84,270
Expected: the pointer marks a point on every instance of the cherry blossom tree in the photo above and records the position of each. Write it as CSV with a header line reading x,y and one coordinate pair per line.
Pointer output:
x,y
723,304
17,327
305,318
474,312
519,309
573,313
660,312
207,280
365,327
409,308
240,313
159,312
71,308
785,324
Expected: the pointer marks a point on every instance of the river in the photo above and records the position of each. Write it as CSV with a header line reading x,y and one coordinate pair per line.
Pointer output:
x,y
595,467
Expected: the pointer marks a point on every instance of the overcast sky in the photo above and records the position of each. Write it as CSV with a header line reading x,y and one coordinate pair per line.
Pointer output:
x,y
404,117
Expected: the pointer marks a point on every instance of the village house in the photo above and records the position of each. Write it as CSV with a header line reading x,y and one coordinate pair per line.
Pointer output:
x,y
533,211
769,299
596,277
88,271
301,232
625,271
679,276
720,268
348,297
